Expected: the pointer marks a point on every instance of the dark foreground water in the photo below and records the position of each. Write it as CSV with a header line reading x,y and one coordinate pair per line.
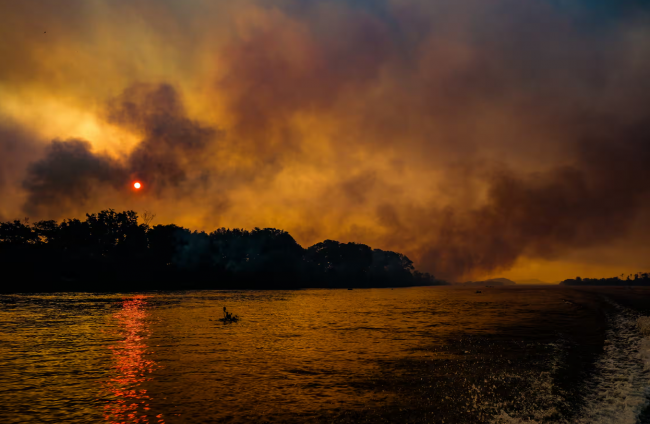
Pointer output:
x,y
436,354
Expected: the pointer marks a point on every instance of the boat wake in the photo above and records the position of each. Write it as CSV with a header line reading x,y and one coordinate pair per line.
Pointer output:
x,y
619,390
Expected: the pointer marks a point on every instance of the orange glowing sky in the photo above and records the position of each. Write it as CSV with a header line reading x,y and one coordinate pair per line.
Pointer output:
x,y
480,138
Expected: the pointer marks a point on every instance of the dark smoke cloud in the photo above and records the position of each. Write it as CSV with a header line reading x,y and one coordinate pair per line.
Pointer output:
x,y
71,173
591,203
279,67
172,142
68,176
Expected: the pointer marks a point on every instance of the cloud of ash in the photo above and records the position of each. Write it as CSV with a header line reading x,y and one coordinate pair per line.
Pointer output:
x,y
172,143
71,173
466,134
591,203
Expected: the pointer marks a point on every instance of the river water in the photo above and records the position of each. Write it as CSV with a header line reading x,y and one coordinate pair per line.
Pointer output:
x,y
427,354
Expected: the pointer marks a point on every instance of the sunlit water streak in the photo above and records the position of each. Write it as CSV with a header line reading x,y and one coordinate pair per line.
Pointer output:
x,y
129,403
404,355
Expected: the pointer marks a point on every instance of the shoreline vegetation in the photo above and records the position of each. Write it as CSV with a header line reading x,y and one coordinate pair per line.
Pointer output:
x,y
638,279
111,251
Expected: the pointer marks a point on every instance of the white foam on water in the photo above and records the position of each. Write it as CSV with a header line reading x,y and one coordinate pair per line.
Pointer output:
x,y
619,390
537,404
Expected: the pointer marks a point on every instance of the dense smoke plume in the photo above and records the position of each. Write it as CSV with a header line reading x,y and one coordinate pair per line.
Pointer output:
x,y
470,135
544,214
172,143
71,173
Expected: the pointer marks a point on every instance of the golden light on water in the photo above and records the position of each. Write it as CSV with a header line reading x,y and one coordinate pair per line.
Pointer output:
x,y
128,401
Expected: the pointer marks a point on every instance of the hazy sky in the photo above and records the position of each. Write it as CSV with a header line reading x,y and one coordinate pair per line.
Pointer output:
x,y
479,137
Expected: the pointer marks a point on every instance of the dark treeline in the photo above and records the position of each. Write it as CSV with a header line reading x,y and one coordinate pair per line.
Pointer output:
x,y
639,279
112,251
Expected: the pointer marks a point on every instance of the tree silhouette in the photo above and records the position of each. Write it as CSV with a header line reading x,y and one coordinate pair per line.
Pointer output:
x,y
112,251
640,279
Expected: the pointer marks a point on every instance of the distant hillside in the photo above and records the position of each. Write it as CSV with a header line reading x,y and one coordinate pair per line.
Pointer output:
x,y
490,282
533,281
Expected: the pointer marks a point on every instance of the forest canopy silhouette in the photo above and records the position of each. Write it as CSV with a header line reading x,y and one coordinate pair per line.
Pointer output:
x,y
638,279
113,251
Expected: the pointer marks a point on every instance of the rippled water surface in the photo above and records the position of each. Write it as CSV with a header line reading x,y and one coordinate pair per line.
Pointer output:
x,y
403,355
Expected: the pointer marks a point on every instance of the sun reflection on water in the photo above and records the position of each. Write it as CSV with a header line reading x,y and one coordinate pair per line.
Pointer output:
x,y
128,401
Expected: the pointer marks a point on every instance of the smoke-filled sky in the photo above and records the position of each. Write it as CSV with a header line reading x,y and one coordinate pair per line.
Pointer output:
x,y
482,138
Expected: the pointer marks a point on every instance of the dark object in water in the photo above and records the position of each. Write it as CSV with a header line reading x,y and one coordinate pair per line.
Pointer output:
x,y
478,291
228,317
350,289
